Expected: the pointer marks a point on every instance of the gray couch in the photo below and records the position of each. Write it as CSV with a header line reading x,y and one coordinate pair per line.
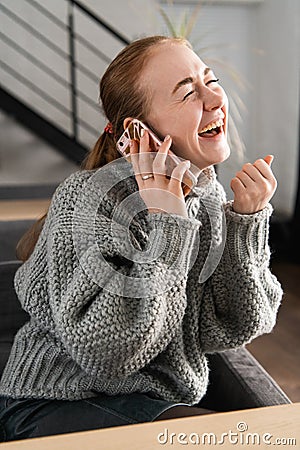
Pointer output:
x,y
10,233
237,380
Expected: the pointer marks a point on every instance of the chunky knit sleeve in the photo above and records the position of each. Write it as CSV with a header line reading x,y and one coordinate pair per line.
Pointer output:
x,y
241,298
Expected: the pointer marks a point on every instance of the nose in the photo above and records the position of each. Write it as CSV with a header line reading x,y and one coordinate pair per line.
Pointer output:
x,y
213,99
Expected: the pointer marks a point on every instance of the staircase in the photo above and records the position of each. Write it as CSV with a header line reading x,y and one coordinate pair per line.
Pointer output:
x,y
47,86
49,75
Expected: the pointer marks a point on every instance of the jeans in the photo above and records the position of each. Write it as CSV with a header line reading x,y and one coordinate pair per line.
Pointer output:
x,y
29,418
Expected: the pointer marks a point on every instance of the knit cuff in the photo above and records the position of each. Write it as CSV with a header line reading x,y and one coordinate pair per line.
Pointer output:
x,y
247,235
175,239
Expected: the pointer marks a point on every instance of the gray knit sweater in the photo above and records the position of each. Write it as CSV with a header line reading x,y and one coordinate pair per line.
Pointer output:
x,y
120,323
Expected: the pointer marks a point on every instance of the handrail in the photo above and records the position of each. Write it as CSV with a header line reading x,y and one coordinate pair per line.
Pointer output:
x,y
34,32
73,71
63,26
101,22
68,53
91,47
34,60
46,41
45,129
45,96
47,13
35,88
46,69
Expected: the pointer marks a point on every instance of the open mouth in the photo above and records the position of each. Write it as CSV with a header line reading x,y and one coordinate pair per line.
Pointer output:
x,y
212,129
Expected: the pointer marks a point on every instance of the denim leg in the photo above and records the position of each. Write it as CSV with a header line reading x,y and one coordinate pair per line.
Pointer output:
x,y
28,418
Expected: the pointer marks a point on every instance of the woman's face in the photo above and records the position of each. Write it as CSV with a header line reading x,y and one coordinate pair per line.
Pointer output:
x,y
186,101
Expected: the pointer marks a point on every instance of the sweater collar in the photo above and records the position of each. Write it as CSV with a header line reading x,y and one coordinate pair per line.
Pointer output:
x,y
205,181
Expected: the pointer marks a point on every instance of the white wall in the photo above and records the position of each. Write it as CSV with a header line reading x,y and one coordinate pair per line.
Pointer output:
x,y
277,100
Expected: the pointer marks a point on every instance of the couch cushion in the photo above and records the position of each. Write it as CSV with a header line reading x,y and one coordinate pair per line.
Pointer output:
x,y
10,233
12,316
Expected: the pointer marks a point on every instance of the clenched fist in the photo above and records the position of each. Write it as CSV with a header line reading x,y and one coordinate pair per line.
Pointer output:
x,y
253,186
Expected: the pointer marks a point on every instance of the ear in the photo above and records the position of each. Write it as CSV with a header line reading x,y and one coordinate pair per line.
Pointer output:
x,y
126,122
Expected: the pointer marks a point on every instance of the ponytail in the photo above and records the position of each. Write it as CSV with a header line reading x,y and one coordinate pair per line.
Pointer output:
x,y
26,244
104,152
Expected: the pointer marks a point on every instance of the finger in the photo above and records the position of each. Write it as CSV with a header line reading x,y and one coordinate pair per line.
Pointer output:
x,y
134,150
251,171
145,159
264,168
237,186
134,159
179,171
159,163
269,159
245,179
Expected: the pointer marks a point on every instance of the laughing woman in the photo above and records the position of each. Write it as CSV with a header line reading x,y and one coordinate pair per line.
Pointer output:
x,y
123,338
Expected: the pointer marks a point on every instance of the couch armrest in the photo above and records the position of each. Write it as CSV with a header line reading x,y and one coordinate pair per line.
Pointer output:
x,y
238,381
12,316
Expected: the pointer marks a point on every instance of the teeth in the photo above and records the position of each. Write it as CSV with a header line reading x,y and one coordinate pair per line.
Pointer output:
x,y
212,125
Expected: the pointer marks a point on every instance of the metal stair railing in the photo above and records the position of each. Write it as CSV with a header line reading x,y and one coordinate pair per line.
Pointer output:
x,y
49,129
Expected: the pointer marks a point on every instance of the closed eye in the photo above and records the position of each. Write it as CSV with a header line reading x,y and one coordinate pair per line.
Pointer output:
x,y
213,81
216,80
188,94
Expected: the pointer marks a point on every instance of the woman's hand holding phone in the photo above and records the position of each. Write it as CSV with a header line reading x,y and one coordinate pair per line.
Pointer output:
x,y
160,193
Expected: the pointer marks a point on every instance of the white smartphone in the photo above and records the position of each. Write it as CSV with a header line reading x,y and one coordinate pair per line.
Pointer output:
x,y
133,131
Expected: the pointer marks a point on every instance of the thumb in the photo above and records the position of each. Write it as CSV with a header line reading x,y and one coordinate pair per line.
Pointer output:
x,y
269,159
